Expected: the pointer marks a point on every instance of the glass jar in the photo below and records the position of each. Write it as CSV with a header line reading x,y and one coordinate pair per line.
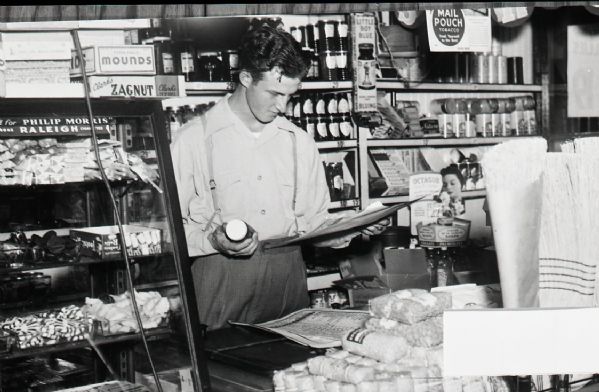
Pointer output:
x,y
163,52
230,65
346,128
185,62
321,128
366,67
333,127
210,68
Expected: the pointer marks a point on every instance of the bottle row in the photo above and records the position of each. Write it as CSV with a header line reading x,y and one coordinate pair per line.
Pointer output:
x,y
482,68
184,57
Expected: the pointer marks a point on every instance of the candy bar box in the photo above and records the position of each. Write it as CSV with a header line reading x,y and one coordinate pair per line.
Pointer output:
x,y
104,242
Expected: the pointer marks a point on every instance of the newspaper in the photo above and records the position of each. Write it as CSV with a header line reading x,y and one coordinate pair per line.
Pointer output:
x,y
372,214
318,328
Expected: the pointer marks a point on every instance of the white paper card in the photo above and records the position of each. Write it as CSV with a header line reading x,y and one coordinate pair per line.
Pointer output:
x,y
520,341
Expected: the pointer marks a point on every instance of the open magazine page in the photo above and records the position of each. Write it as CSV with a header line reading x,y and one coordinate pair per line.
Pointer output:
x,y
318,328
368,216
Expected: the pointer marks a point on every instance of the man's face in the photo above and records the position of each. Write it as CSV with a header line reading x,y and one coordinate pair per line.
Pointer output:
x,y
269,96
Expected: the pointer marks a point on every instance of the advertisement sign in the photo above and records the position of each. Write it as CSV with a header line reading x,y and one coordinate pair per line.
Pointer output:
x,y
52,126
583,75
455,30
363,33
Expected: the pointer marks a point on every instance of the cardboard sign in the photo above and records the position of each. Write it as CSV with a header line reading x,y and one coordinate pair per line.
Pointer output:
x,y
583,75
455,30
425,185
115,60
502,342
52,126
364,62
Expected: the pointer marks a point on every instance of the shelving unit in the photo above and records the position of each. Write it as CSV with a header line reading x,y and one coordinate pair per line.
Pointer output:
x,y
405,198
138,203
413,86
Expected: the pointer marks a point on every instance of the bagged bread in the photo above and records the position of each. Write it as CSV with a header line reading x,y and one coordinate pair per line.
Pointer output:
x,y
426,333
410,306
339,370
375,345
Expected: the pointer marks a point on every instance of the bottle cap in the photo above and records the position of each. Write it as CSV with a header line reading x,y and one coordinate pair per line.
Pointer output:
x,y
236,230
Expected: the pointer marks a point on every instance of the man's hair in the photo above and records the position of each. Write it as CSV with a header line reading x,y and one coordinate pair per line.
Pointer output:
x,y
265,47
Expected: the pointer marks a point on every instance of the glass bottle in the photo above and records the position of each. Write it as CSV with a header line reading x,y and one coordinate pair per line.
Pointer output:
x,y
209,67
163,52
186,60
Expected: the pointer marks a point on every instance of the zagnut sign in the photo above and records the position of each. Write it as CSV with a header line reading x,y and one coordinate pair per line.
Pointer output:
x,y
115,60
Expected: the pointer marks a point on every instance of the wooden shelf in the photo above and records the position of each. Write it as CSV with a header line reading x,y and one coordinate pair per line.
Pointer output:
x,y
442,142
330,144
412,86
404,198
152,334
345,203
202,87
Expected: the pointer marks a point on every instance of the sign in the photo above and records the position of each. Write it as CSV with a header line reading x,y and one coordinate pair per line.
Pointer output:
x,y
425,185
583,75
363,34
497,342
115,60
52,126
424,212
122,86
455,30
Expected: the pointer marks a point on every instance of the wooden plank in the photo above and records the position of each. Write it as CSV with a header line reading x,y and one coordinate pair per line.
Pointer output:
x,y
21,14
149,11
46,12
114,11
174,10
68,12
89,12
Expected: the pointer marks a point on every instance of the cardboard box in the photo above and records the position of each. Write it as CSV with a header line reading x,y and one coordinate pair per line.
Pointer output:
x,y
396,268
361,290
437,236
104,241
137,86
115,60
170,85
36,45
38,71
177,380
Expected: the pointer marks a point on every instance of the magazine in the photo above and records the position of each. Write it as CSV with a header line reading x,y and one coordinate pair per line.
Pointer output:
x,y
372,214
318,328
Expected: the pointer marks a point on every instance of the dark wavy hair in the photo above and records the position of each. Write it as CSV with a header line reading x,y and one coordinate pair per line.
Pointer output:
x,y
453,169
266,47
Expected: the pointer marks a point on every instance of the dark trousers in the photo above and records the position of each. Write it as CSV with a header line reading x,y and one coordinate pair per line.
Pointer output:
x,y
266,286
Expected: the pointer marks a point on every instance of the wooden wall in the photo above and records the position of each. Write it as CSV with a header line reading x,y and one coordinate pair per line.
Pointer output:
x,y
113,11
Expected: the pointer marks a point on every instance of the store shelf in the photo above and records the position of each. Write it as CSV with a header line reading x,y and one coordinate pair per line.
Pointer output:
x,y
334,85
157,285
202,87
407,86
345,203
337,144
34,266
441,142
404,198
152,334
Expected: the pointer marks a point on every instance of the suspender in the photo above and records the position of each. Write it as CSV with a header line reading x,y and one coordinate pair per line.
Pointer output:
x,y
212,183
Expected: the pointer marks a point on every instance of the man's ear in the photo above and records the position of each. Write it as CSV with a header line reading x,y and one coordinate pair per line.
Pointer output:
x,y
245,78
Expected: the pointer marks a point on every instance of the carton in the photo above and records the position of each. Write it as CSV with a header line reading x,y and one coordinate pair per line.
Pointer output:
x,y
115,60
137,86
36,45
104,243
437,236
177,380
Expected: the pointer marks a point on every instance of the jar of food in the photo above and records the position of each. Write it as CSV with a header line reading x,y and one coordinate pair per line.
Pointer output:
x,y
163,52
333,126
210,68
346,128
185,63
321,128
230,65
366,67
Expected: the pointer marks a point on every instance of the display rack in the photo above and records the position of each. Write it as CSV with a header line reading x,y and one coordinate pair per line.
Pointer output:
x,y
159,210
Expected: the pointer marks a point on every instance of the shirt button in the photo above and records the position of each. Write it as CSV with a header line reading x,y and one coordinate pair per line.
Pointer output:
x,y
259,178
263,212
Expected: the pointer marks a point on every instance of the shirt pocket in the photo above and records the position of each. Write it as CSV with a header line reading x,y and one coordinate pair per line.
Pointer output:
x,y
230,191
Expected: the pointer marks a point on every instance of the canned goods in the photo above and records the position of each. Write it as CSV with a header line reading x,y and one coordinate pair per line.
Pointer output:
x,y
328,65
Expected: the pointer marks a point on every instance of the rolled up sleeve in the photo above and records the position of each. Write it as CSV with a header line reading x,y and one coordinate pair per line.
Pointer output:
x,y
194,196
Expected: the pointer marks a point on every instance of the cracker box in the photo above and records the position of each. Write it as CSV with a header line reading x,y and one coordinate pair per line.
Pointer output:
x,y
104,242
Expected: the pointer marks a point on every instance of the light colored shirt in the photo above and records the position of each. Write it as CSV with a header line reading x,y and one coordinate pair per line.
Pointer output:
x,y
254,178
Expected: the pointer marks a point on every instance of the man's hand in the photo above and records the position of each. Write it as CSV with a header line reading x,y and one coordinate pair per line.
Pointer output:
x,y
223,245
376,228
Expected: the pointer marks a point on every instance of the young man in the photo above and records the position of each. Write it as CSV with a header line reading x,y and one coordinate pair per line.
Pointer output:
x,y
243,160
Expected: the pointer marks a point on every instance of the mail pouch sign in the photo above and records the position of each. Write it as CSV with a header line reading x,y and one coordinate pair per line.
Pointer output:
x,y
115,60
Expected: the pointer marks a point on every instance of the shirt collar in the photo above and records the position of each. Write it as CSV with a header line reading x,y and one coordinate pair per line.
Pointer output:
x,y
223,117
